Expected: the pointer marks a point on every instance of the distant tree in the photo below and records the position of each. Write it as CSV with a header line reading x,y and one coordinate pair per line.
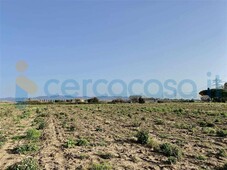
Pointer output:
x,y
216,95
134,99
69,101
93,100
118,101
141,100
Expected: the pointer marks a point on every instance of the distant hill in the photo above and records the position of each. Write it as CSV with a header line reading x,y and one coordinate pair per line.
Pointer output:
x,y
60,97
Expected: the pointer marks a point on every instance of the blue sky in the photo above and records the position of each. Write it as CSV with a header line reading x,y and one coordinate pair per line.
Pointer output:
x,y
109,40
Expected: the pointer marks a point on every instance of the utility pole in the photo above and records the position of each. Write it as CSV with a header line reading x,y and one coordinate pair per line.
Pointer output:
x,y
217,81
218,85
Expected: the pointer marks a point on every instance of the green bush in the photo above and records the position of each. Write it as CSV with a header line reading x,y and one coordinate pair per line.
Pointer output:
x,y
69,143
172,160
42,125
170,150
221,133
142,137
82,142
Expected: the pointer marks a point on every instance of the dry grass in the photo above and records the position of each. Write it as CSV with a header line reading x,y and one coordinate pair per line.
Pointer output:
x,y
108,136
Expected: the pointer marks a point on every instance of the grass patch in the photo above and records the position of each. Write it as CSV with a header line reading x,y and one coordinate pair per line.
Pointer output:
x,y
206,124
105,155
26,164
25,114
18,137
42,125
222,153
32,134
2,140
159,121
171,160
27,148
209,130
70,143
100,166
82,156
72,127
40,121
201,157
153,143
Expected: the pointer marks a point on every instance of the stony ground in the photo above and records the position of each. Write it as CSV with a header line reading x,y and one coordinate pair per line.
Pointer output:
x,y
105,136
